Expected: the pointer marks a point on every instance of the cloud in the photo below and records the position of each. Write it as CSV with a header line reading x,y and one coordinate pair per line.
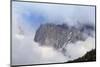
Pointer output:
x,y
80,48
26,51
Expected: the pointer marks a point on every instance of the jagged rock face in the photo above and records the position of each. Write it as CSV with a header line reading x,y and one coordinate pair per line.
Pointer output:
x,y
58,36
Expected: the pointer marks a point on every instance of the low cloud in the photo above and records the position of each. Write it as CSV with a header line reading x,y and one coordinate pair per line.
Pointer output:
x,y
26,51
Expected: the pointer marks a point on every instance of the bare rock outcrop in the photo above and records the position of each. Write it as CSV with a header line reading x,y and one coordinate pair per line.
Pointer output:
x,y
58,36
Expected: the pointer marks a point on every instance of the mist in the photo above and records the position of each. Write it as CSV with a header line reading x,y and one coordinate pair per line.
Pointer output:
x,y
27,17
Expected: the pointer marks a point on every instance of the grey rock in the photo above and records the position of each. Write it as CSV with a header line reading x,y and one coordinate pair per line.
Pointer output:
x,y
58,36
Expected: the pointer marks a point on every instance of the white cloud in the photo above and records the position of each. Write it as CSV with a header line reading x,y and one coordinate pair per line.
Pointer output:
x,y
80,48
26,51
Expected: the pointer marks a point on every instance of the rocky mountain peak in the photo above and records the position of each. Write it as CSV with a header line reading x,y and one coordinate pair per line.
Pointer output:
x,y
57,36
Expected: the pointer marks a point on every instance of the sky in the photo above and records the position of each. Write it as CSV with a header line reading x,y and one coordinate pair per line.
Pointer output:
x,y
26,18
35,14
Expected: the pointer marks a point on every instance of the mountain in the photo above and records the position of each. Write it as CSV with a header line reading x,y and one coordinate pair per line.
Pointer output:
x,y
58,36
89,56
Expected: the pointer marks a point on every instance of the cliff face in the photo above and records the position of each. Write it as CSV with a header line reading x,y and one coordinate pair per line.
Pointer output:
x,y
58,36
